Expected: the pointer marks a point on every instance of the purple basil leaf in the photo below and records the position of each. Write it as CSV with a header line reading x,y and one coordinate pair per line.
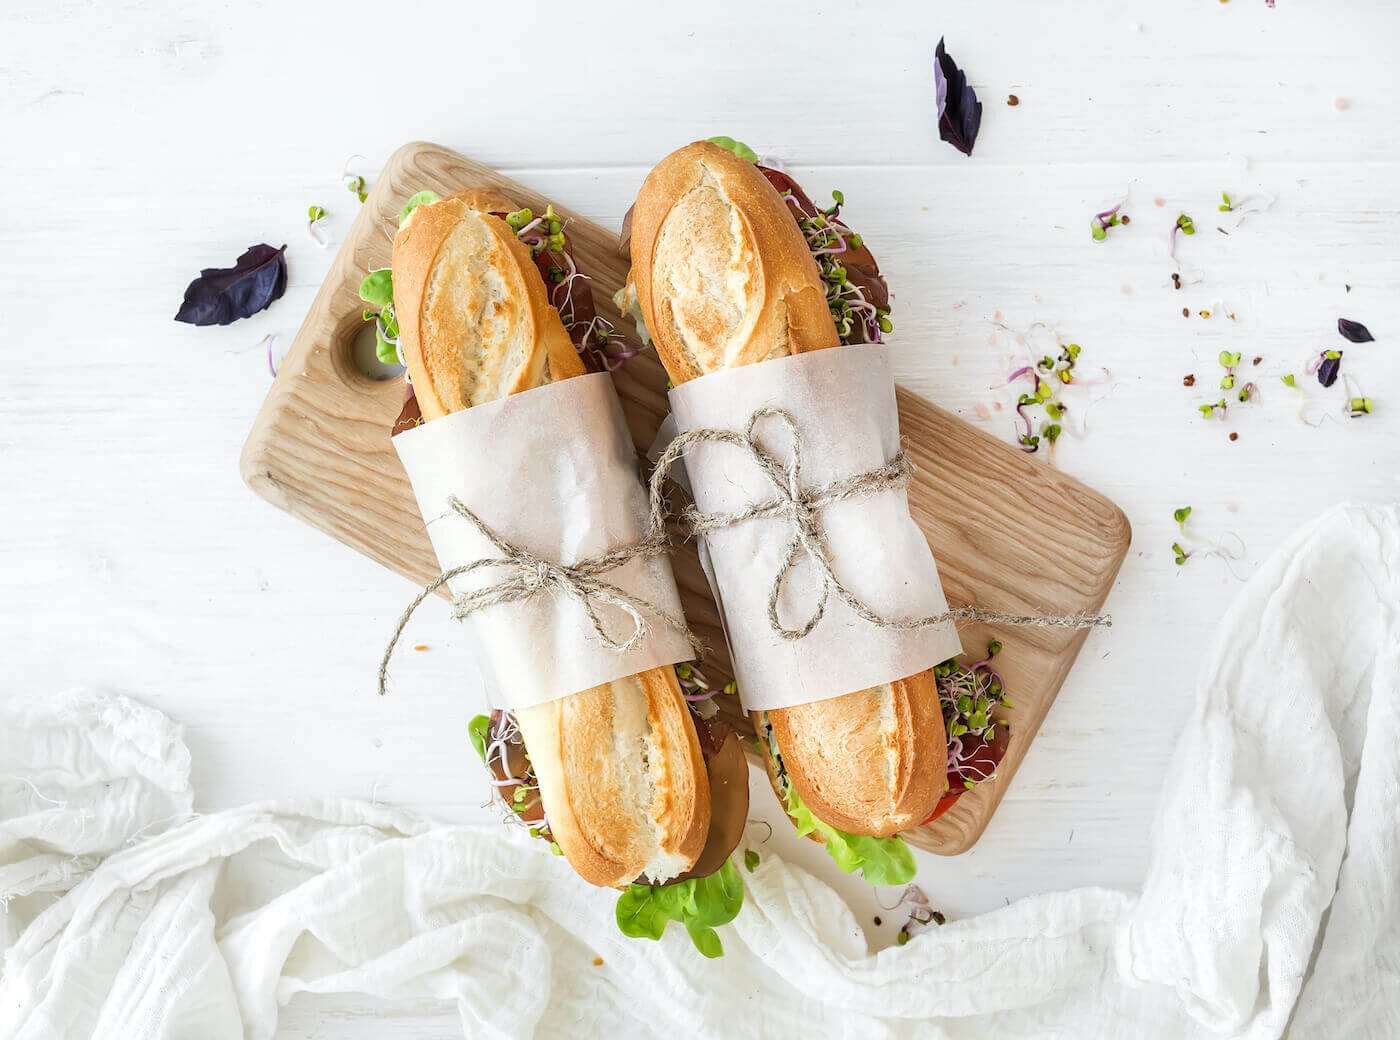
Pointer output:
x,y
1327,371
1354,331
220,296
959,111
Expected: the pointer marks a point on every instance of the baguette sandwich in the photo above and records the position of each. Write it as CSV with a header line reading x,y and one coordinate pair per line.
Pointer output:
x,y
486,302
733,265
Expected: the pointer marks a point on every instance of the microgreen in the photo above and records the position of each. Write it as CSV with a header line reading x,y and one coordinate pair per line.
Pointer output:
x,y
750,860
921,914
1360,406
1188,546
1099,223
1209,410
973,700
1289,380
1225,205
1048,375
1185,225
356,185
858,318
315,213
739,148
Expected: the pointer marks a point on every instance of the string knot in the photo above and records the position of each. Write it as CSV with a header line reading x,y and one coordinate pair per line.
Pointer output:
x,y
529,575
800,507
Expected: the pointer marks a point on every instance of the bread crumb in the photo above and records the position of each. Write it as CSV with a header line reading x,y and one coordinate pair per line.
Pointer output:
x,y
421,646
1159,202
597,962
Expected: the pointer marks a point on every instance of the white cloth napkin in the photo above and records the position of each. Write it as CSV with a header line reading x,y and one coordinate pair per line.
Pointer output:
x,y
120,924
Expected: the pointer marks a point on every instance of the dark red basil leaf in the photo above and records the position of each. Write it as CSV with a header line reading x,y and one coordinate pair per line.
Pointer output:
x,y
1354,331
222,295
1327,371
959,111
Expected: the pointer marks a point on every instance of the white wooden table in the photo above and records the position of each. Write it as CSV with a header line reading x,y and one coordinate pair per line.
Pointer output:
x,y
147,140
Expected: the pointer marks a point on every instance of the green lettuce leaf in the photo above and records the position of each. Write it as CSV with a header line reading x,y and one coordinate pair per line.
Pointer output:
x,y
480,729
377,289
883,861
700,904
415,201
739,148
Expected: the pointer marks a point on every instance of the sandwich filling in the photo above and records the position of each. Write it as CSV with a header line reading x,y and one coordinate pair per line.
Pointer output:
x,y
973,699
711,892
883,861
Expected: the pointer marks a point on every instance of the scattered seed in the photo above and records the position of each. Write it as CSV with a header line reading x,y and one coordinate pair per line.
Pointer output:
x,y
1125,219
1012,100
1189,381
1186,312
877,920
1256,360
1234,436
1343,104
1176,280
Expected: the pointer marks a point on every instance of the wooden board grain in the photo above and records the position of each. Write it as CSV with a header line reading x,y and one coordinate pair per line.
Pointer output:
x,y
1009,533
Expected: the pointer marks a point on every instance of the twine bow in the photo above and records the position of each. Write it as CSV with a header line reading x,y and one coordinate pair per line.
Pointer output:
x,y
800,508
532,575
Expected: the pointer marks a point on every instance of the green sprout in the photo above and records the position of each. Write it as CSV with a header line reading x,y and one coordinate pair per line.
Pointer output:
x,y
1360,406
315,213
1289,380
1225,205
750,860
1185,224
1180,516
356,187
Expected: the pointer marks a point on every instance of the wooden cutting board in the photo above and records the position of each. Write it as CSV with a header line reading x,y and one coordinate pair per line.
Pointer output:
x,y
1009,533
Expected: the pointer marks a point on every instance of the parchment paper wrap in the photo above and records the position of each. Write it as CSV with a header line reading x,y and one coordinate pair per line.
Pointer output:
x,y
843,401
551,470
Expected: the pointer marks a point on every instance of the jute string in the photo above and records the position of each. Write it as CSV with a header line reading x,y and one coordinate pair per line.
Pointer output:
x,y
797,506
532,575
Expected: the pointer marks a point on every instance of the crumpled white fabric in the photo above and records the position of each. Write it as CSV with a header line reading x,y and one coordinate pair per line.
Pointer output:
x,y
1259,869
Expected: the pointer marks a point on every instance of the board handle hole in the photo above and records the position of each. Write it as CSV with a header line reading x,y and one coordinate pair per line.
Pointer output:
x,y
364,356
